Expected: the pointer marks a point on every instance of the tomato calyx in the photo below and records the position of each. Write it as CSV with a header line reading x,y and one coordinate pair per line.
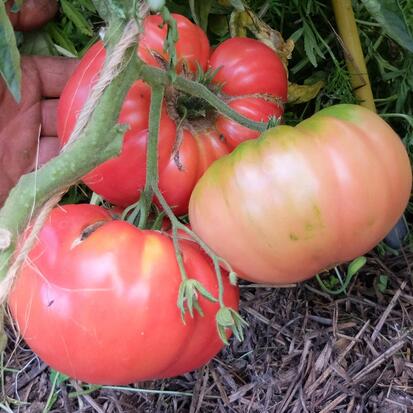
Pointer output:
x,y
192,107
188,297
227,318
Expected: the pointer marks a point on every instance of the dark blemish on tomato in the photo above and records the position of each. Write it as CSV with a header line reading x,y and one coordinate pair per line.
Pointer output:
x,y
91,229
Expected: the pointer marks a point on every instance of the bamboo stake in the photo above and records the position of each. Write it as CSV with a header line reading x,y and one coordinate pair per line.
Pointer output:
x,y
356,65
355,62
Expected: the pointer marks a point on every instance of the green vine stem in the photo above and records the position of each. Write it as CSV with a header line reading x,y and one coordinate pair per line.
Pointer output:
x,y
100,140
95,146
145,201
153,75
226,317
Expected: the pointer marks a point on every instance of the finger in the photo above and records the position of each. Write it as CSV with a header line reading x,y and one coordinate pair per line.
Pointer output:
x,y
49,147
54,73
33,14
49,111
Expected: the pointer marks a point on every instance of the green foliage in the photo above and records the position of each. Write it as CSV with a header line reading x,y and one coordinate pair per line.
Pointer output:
x,y
382,283
200,11
9,55
335,284
75,28
390,16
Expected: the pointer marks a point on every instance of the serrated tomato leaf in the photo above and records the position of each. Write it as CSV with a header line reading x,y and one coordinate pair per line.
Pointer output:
x,y
9,55
76,17
390,16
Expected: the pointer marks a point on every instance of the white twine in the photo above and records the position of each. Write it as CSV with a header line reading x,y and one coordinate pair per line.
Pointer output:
x,y
111,69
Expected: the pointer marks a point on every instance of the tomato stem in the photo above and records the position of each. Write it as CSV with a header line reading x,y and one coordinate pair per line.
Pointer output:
x,y
153,75
155,112
99,141
152,175
237,321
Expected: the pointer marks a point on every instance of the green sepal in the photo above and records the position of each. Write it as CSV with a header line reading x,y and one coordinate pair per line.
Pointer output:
x,y
233,278
188,296
226,318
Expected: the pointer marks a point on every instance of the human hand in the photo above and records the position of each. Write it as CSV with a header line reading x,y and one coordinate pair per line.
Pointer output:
x,y
28,129
32,15
33,120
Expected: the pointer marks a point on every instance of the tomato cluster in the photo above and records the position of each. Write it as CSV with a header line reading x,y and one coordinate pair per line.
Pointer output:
x,y
251,77
97,298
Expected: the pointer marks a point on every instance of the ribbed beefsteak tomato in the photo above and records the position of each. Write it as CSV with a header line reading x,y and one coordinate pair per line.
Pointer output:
x,y
97,300
253,80
299,200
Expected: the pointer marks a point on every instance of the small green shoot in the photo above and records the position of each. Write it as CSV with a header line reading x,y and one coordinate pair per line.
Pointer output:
x,y
353,268
56,379
382,283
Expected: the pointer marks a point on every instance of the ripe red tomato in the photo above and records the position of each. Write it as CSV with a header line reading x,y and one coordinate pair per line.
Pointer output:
x,y
184,154
300,200
101,306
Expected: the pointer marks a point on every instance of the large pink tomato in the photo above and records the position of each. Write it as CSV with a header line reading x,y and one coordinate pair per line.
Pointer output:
x,y
97,300
299,200
253,81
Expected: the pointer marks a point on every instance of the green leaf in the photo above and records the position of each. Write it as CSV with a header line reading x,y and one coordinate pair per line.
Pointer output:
x,y
60,38
218,24
64,52
17,6
38,43
237,4
227,317
76,17
57,377
108,8
222,334
200,10
382,283
355,266
203,291
390,16
88,5
10,68
311,45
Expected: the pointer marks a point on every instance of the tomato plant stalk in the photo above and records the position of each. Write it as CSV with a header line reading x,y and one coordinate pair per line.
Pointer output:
x,y
94,146
101,139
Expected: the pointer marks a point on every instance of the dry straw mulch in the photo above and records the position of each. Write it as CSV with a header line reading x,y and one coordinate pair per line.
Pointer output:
x,y
305,351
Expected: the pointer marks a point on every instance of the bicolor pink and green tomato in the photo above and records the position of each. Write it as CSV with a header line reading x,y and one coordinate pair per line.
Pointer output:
x,y
302,199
